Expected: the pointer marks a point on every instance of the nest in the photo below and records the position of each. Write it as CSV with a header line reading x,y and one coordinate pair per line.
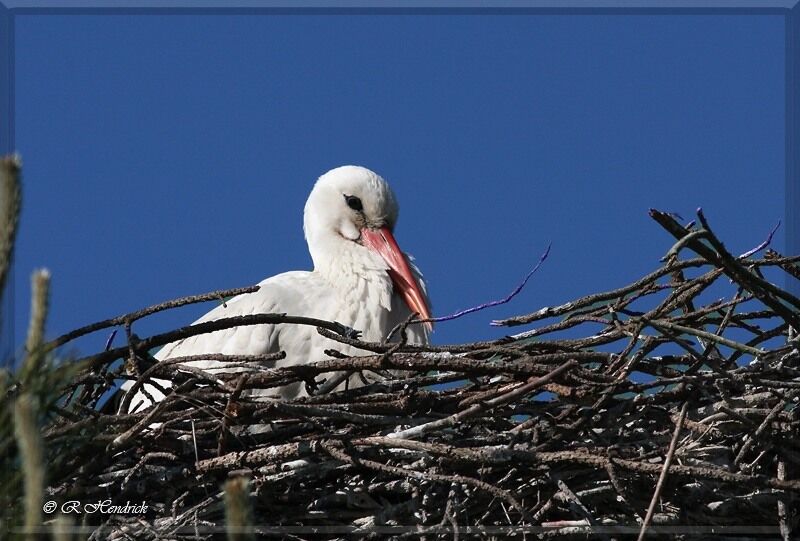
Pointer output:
x,y
646,408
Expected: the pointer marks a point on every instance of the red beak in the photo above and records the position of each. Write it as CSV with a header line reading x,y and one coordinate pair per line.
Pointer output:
x,y
382,241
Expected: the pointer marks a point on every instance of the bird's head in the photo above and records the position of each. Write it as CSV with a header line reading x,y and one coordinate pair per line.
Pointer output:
x,y
353,208
347,200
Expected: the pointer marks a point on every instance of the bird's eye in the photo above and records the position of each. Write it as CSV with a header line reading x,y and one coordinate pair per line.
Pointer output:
x,y
354,202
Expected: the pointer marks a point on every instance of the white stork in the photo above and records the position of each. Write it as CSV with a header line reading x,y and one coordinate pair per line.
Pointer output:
x,y
360,279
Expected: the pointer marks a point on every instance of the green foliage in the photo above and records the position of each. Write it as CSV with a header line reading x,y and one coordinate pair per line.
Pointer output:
x,y
30,396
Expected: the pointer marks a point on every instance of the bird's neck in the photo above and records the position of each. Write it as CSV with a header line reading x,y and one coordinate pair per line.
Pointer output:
x,y
354,271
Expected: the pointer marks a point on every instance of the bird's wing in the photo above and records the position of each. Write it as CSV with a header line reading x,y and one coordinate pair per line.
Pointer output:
x,y
240,340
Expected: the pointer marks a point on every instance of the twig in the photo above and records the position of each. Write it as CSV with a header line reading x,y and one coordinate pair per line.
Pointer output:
x,y
667,461
139,314
532,384
591,300
504,300
486,428
496,491
763,245
704,334
734,269
209,327
783,514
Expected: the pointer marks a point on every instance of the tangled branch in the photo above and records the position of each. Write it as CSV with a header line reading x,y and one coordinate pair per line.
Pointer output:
x,y
651,408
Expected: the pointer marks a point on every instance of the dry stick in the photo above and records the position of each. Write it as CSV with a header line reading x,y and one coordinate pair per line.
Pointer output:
x,y
229,409
773,258
681,294
494,455
576,505
704,334
729,313
490,304
503,454
683,241
589,300
567,323
783,522
498,492
734,266
667,461
159,386
150,417
139,314
139,465
533,365
682,343
779,407
380,347
209,327
448,515
161,365
336,379
332,382
761,246
532,384
691,472
676,297
780,330
791,268
257,457
493,391
622,357
760,288
327,412
621,376
393,386
623,497
711,312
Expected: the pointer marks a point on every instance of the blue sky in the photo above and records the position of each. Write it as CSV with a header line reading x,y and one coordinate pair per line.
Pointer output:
x,y
168,155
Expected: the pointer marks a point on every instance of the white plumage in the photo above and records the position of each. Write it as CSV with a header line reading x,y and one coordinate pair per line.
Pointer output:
x,y
360,279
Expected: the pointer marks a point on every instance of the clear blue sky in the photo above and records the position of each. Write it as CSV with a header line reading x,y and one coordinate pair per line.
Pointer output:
x,y
172,155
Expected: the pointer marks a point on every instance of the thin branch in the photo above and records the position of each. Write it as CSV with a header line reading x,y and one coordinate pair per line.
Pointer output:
x,y
490,304
673,444
474,409
763,245
144,312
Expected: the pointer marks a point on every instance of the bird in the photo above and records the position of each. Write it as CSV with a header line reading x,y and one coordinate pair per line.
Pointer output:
x,y
360,279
